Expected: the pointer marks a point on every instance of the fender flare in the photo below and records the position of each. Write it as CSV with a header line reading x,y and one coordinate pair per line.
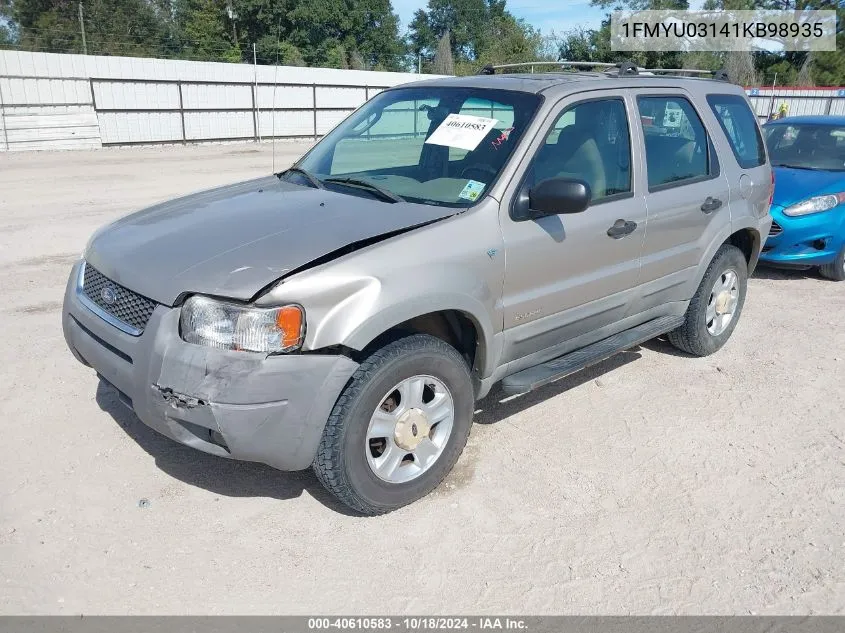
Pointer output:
x,y
716,243
389,317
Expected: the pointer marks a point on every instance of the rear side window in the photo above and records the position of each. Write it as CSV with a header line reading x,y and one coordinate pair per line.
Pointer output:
x,y
676,145
739,126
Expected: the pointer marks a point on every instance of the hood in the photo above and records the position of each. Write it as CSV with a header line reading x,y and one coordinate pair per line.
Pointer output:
x,y
235,240
795,185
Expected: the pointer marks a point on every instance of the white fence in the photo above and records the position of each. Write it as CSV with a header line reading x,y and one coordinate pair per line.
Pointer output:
x,y
52,101
799,101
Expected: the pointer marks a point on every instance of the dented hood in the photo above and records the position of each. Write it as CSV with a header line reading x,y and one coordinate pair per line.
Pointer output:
x,y
235,240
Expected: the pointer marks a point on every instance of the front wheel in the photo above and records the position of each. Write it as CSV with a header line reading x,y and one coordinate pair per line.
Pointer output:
x,y
716,306
398,427
836,269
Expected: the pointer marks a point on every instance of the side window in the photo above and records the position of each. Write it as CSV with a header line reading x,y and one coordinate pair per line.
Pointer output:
x,y
739,126
589,141
676,143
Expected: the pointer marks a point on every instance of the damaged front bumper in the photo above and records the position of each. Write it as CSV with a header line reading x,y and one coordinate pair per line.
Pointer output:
x,y
241,405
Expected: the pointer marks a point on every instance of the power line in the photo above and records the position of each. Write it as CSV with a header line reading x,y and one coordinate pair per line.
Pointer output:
x,y
132,49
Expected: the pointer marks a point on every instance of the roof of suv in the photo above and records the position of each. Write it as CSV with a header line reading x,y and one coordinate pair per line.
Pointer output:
x,y
566,82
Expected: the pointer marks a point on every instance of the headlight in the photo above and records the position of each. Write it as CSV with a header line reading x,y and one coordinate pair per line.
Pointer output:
x,y
225,325
815,205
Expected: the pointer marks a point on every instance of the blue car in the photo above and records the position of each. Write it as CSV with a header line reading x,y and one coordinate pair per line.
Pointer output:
x,y
808,208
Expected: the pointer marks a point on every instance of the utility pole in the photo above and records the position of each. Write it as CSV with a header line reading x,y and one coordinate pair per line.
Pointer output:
x,y
230,11
257,106
772,103
82,28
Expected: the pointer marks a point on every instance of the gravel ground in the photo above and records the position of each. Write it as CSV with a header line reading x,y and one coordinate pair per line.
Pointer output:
x,y
654,483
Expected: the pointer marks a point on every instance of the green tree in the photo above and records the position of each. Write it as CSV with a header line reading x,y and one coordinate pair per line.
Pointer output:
x,y
480,31
508,39
464,20
642,5
7,33
420,36
112,27
207,30
340,32
828,67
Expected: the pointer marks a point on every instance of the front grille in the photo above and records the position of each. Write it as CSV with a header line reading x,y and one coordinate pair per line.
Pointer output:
x,y
776,229
127,307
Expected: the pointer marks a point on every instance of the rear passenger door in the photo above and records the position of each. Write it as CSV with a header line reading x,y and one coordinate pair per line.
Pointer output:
x,y
688,196
751,184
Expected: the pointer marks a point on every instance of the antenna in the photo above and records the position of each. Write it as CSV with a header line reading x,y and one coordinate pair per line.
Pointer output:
x,y
275,75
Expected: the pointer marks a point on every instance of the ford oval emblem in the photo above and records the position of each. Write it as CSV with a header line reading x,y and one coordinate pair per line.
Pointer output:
x,y
109,295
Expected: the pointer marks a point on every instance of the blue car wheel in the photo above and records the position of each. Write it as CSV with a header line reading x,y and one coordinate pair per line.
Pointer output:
x,y
836,269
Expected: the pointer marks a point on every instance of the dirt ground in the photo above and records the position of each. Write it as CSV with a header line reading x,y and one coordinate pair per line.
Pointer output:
x,y
653,484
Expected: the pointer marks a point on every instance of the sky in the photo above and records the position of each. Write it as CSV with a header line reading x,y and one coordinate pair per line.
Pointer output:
x,y
552,15
557,15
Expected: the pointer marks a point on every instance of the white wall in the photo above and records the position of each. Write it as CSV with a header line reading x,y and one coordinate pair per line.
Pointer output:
x,y
800,101
50,101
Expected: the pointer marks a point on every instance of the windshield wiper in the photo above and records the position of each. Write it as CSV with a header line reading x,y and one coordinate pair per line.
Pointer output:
x,y
384,194
788,166
311,178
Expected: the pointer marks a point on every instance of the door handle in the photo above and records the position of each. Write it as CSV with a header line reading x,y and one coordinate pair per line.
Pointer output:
x,y
621,228
711,204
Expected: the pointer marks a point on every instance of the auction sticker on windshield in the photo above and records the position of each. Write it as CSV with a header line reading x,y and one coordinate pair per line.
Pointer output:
x,y
461,130
472,190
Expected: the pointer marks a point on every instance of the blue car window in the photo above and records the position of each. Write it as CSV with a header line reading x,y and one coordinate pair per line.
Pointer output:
x,y
801,145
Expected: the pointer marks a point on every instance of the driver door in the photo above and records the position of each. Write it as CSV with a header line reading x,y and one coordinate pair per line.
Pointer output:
x,y
566,276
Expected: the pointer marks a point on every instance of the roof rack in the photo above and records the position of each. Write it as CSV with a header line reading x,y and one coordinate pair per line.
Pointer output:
x,y
490,69
622,69
718,75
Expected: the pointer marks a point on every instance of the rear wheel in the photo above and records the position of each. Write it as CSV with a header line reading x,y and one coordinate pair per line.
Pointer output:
x,y
716,306
398,427
836,269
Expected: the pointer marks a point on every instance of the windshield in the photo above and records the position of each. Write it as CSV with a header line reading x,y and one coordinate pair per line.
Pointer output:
x,y
806,146
433,145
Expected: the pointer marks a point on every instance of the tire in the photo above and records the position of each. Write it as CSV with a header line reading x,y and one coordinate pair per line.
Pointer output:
x,y
693,336
836,269
343,464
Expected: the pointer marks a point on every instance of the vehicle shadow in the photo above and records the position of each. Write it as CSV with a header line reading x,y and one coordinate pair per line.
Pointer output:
x,y
662,345
779,274
497,406
231,478
225,477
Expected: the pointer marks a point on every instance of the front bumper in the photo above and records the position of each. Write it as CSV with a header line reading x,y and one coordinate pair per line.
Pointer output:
x,y
811,240
241,405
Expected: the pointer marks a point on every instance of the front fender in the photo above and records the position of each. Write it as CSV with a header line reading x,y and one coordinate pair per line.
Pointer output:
x,y
390,316
353,311
449,265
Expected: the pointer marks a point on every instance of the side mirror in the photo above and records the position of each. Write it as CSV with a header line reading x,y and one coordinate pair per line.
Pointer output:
x,y
559,195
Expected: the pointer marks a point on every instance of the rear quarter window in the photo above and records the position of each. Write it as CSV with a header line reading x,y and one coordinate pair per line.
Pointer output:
x,y
740,127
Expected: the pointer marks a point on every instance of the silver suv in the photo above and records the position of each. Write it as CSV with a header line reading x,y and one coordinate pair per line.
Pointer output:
x,y
449,235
